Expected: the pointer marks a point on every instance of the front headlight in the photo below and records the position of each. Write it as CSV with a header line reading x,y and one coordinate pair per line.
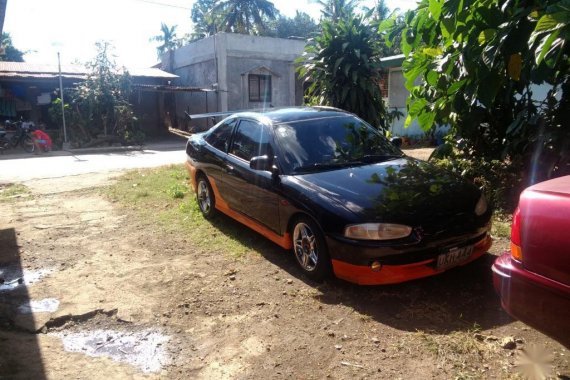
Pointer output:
x,y
481,206
377,231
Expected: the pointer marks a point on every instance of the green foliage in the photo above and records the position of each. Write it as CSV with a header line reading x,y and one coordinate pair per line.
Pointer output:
x,y
341,67
167,38
302,25
244,16
390,33
500,179
148,195
205,21
336,10
11,54
100,105
177,190
379,11
472,65
12,190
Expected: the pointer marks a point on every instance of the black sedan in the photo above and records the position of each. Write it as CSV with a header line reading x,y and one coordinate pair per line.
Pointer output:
x,y
347,201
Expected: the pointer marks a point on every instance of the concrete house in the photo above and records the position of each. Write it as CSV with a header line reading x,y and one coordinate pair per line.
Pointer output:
x,y
230,72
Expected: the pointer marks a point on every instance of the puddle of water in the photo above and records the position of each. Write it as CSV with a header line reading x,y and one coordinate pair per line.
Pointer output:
x,y
14,277
47,305
143,349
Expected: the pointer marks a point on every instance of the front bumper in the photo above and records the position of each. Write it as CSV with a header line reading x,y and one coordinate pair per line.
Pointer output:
x,y
393,274
536,300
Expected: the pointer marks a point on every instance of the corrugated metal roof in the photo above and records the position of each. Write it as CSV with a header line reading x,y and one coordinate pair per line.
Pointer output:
x,y
169,88
151,72
34,70
39,76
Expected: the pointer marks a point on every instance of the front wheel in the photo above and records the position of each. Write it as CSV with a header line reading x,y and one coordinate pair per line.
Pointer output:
x,y
28,144
205,197
310,249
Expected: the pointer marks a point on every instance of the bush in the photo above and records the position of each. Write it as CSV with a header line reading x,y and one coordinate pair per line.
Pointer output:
x,y
500,181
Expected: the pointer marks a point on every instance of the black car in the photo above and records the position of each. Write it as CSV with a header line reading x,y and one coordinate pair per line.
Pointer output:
x,y
347,201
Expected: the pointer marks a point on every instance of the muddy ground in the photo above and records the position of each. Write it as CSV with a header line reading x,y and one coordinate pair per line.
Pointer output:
x,y
107,294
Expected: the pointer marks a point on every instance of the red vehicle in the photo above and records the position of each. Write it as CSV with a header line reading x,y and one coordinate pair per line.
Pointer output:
x,y
533,279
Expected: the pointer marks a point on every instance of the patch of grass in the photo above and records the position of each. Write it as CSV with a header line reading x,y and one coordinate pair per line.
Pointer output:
x,y
177,191
460,349
12,190
164,195
501,224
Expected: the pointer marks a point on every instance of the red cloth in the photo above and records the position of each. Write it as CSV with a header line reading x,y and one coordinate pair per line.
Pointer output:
x,y
41,135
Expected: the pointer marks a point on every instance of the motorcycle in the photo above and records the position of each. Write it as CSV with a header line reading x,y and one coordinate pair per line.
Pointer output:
x,y
22,137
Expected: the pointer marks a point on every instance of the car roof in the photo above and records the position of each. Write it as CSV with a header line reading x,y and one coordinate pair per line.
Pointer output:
x,y
287,115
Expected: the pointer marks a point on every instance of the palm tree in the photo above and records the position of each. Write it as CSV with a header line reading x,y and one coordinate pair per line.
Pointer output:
x,y
335,10
168,39
379,11
245,16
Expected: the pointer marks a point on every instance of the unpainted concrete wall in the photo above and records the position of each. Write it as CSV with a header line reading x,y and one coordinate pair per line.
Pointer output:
x,y
223,62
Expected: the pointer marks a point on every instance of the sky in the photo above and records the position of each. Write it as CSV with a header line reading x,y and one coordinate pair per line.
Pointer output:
x,y
72,27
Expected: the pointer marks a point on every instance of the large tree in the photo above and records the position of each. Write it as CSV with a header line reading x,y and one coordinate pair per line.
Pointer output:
x,y
205,21
302,25
98,109
10,54
474,65
245,16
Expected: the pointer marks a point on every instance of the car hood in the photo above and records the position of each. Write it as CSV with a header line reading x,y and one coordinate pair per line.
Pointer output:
x,y
404,190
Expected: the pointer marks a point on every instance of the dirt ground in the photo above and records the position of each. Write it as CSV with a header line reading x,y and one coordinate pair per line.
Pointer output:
x,y
113,296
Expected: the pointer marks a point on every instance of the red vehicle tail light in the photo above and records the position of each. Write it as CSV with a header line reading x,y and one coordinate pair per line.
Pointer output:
x,y
516,251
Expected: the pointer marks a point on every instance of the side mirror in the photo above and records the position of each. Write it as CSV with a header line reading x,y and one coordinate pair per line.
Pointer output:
x,y
261,163
397,141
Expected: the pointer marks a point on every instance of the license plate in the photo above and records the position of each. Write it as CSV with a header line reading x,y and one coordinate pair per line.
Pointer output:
x,y
454,256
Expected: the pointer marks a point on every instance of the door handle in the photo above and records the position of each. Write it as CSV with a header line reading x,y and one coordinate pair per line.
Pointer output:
x,y
228,168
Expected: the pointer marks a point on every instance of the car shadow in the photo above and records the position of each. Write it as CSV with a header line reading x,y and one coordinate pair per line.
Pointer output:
x,y
20,355
460,299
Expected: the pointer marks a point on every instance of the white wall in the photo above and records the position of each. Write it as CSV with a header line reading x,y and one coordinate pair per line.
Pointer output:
x,y
397,95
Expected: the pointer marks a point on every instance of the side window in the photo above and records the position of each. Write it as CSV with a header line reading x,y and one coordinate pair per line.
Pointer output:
x,y
251,140
219,138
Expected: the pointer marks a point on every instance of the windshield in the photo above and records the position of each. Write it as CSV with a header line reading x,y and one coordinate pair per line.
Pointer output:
x,y
329,143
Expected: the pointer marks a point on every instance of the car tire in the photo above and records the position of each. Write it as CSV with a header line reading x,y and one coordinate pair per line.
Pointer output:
x,y
205,197
310,249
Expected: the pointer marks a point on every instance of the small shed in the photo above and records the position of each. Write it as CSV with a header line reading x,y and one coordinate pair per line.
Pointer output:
x,y
27,91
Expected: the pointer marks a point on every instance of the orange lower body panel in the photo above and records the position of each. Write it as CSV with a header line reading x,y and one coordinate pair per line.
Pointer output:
x,y
393,274
192,171
221,205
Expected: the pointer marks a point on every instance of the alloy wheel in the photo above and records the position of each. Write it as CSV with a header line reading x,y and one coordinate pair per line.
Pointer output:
x,y
306,248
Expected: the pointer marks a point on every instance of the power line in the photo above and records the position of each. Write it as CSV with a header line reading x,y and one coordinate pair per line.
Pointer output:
x,y
164,4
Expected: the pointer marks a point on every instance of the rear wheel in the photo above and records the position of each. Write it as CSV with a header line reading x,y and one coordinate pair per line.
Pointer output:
x,y
310,249
28,144
205,197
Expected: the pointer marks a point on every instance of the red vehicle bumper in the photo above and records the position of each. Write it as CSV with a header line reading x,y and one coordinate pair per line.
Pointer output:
x,y
535,300
393,274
